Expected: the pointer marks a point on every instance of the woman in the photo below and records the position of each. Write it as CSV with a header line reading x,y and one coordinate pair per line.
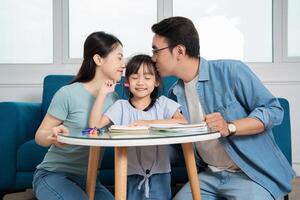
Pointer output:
x,y
62,174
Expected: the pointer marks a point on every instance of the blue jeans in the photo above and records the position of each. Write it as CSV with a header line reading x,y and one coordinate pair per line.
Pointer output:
x,y
225,185
64,186
159,187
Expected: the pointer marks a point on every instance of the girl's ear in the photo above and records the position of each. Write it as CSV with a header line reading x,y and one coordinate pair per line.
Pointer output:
x,y
157,84
98,60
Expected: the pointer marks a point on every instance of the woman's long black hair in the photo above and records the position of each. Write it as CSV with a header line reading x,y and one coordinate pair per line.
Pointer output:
x,y
99,43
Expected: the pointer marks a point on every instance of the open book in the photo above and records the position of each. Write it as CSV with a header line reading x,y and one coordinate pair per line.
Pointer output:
x,y
179,127
157,130
128,129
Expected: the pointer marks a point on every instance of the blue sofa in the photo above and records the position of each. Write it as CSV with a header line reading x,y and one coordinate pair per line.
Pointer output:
x,y
19,154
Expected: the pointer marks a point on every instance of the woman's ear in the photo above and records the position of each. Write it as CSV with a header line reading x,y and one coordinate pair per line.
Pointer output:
x,y
98,60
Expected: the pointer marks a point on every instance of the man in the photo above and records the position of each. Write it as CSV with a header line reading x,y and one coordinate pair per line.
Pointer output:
x,y
245,163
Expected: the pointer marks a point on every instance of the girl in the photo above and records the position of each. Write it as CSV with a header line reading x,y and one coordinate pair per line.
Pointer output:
x,y
62,174
148,167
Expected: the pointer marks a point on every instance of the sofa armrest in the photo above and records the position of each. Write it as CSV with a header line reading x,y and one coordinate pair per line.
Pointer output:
x,y
18,124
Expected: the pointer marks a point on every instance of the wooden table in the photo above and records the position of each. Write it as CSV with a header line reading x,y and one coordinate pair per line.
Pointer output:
x,y
120,143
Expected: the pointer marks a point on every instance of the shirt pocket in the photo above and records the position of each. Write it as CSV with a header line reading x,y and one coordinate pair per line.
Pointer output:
x,y
231,110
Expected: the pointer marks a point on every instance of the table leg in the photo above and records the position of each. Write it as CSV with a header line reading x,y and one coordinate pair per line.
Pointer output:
x,y
120,173
94,157
190,164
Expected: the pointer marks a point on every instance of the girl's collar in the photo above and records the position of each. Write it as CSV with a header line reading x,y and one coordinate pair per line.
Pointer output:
x,y
145,109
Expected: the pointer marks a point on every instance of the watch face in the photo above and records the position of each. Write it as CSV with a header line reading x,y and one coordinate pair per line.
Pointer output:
x,y
232,128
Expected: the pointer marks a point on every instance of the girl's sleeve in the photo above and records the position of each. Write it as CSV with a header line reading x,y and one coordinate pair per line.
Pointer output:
x,y
169,107
60,103
115,112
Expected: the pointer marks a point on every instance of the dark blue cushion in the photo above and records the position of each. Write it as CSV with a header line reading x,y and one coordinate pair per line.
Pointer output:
x,y
282,133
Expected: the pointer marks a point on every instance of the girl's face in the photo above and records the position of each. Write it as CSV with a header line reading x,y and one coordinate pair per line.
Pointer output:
x,y
142,83
113,64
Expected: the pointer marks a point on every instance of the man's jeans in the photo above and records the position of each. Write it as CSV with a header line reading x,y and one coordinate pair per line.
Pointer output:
x,y
225,185
57,185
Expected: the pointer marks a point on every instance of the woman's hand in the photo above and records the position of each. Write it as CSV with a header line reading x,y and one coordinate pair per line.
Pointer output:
x,y
107,87
58,130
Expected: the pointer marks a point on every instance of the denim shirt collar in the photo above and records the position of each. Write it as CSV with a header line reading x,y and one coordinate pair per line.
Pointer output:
x,y
203,75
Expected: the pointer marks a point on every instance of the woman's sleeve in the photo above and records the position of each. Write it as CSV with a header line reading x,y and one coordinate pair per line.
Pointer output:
x,y
60,103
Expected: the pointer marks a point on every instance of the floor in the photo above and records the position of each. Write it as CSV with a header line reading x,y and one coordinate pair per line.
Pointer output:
x,y
27,195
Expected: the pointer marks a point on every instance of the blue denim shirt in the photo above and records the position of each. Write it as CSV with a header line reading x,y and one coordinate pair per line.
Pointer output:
x,y
231,88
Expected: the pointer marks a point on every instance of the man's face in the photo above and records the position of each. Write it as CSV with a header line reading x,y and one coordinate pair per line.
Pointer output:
x,y
162,56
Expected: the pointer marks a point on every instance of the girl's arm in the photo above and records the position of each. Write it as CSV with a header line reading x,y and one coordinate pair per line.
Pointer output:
x,y
177,118
48,131
97,119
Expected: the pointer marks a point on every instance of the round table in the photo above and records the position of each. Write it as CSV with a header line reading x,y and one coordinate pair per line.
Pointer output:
x,y
121,141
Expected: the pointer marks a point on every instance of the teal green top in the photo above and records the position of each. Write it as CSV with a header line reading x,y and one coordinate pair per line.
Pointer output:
x,y
71,104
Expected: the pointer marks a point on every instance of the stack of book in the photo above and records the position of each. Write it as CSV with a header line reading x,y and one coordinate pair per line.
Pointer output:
x,y
179,129
120,131
158,130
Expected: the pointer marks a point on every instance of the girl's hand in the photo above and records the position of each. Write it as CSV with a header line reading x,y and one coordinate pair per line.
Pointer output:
x,y
140,123
107,87
58,130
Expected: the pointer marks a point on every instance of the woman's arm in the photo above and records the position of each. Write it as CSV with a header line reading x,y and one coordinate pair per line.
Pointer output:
x,y
48,131
177,118
97,119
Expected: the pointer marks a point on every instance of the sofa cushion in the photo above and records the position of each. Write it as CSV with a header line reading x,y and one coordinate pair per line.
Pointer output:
x,y
29,155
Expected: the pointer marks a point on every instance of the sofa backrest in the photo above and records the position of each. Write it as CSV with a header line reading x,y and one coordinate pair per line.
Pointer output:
x,y
53,82
282,133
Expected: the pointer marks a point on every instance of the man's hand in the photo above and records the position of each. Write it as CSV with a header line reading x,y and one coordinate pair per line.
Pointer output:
x,y
216,122
58,130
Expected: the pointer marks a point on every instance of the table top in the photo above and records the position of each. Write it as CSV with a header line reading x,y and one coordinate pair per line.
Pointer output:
x,y
109,139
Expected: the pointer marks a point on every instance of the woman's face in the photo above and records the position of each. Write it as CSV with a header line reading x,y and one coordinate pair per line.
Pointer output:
x,y
114,65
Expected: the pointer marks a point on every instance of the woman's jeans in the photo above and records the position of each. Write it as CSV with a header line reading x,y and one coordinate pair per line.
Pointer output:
x,y
64,186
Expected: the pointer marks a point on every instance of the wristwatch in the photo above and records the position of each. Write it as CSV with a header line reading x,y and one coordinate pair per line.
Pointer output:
x,y
231,128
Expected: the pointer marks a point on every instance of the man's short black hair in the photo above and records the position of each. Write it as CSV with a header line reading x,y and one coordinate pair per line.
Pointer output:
x,y
179,30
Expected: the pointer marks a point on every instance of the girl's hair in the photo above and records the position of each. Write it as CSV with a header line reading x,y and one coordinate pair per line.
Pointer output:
x,y
99,43
133,67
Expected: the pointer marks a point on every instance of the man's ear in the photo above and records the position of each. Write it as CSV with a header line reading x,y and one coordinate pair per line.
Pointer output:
x,y
181,51
98,60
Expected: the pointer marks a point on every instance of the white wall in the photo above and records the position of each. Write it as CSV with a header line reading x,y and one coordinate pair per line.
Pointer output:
x,y
283,79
